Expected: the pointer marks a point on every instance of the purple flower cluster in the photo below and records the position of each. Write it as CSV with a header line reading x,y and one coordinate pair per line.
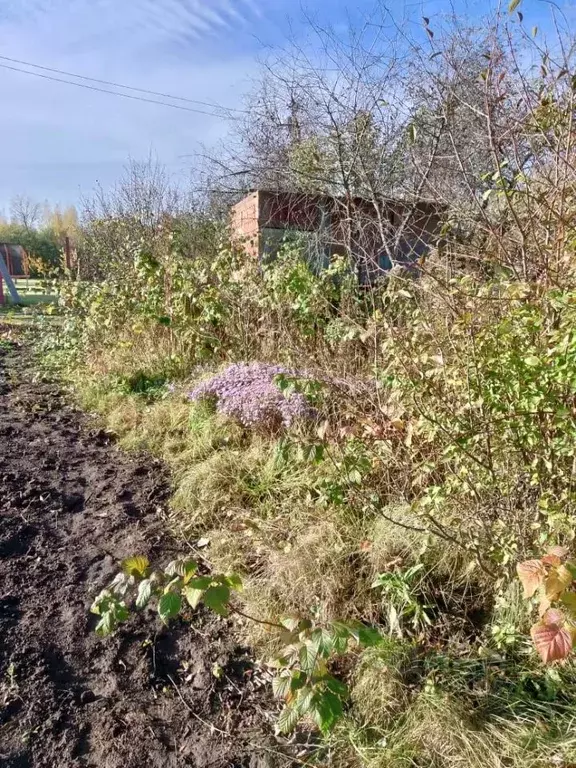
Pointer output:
x,y
247,392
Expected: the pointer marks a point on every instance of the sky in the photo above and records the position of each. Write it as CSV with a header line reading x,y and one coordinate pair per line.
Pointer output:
x,y
57,141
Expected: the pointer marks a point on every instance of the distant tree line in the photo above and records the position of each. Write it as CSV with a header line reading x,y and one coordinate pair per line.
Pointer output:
x,y
41,230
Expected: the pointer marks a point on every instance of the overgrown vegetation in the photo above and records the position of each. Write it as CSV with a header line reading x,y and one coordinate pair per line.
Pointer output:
x,y
434,443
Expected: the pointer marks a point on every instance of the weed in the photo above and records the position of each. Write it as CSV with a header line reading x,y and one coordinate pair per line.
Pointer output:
x,y
303,678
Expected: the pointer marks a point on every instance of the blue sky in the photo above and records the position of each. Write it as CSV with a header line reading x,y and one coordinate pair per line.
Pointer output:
x,y
58,140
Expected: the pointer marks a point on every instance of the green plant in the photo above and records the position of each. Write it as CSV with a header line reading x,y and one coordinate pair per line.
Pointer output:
x,y
303,679
170,588
401,591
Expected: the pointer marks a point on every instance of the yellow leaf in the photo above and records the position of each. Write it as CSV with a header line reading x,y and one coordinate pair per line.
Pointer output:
x,y
135,566
557,581
544,604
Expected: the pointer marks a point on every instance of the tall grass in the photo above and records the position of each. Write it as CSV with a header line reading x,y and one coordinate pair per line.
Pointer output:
x,y
443,452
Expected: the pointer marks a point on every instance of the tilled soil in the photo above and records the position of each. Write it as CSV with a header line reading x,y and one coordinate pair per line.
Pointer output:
x,y
71,507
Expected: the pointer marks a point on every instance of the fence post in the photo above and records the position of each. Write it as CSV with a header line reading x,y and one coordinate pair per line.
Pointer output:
x,y
67,252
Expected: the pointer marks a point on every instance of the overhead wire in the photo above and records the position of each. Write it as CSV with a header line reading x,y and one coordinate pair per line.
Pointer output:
x,y
117,93
120,85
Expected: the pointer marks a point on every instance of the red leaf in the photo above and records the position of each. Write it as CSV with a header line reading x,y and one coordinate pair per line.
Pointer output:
x,y
551,560
560,552
530,573
553,616
552,641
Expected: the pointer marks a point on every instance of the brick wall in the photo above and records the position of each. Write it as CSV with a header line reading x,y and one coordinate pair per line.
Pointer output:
x,y
244,224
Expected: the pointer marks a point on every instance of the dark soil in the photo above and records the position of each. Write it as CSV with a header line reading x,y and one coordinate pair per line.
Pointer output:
x,y
71,507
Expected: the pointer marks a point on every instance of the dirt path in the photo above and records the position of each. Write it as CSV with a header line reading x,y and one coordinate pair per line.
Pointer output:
x,y
71,506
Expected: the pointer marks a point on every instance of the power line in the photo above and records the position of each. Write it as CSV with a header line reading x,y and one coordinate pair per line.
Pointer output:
x,y
120,85
114,93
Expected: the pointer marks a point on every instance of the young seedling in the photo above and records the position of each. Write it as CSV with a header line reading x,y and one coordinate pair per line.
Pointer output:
x,y
303,678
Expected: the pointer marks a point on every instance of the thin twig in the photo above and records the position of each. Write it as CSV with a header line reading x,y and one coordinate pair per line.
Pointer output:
x,y
258,621
211,726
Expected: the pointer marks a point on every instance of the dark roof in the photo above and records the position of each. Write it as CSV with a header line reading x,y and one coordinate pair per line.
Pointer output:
x,y
357,199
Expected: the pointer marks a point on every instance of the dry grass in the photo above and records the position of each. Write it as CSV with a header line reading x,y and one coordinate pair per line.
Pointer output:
x,y
211,492
379,692
251,497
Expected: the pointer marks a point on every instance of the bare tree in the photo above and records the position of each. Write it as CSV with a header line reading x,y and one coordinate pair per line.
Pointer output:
x,y
447,114
25,212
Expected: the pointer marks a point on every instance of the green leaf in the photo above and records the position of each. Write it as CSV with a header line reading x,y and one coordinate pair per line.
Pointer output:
x,y
308,656
336,686
289,623
115,613
297,681
569,600
532,361
304,701
121,612
201,582
144,593
512,5
281,686
326,710
181,567
164,320
106,625
190,568
572,568
217,599
135,566
193,596
355,476
368,637
287,719
169,606
325,640
120,583
234,582
101,603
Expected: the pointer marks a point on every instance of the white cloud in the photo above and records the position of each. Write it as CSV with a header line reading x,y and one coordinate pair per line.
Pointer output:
x,y
57,138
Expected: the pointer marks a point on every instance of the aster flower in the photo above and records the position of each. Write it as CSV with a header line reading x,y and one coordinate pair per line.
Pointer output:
x,y
248,393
